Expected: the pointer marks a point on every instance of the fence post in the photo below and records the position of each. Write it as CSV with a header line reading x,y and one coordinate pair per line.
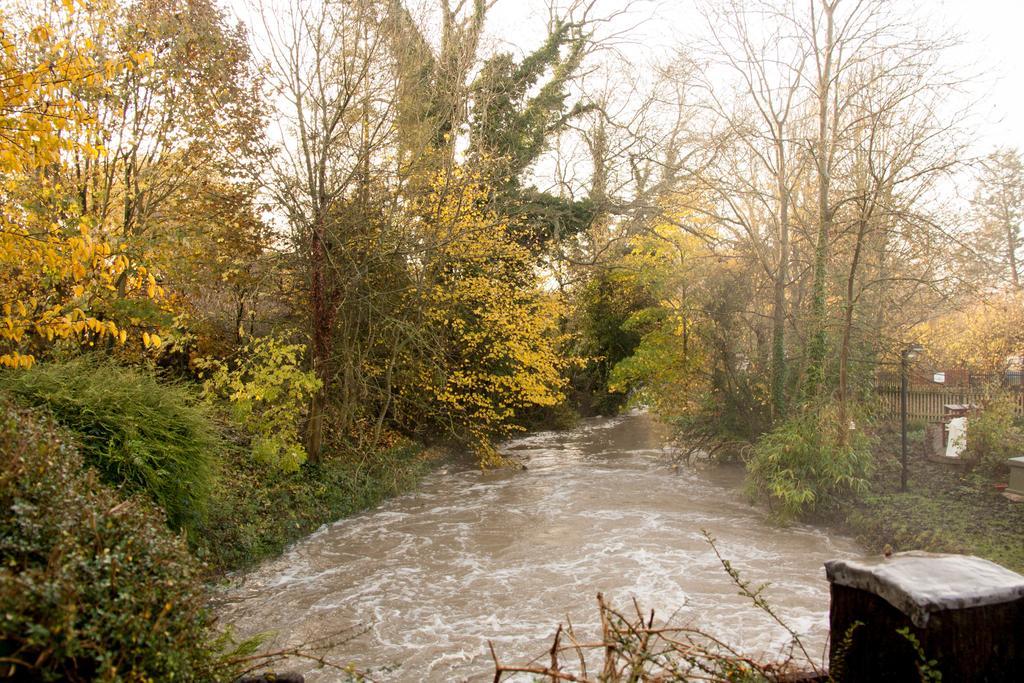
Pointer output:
x,y
904,358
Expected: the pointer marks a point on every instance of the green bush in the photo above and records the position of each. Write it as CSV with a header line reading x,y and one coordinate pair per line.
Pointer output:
x,y
802,468
267,392
92,586
139,433
994,435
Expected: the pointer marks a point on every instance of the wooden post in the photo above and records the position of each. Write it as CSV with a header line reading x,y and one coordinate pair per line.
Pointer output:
x,y
903,419
890,617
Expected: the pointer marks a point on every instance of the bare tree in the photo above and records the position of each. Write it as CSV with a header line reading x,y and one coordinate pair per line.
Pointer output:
x,y
999,213
761,50
896,154
328,70
835,105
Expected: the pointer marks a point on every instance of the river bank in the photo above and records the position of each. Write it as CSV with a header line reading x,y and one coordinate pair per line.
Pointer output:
x,y
945,509
256,512
417,586
92,568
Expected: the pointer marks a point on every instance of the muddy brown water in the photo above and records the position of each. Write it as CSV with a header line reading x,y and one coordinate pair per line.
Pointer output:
x,y
427,578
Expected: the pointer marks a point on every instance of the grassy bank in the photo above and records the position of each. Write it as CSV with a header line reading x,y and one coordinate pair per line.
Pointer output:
x,y
256,511
946,508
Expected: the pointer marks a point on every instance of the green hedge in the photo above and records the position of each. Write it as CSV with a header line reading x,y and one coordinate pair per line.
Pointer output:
x,y
141,434
92,586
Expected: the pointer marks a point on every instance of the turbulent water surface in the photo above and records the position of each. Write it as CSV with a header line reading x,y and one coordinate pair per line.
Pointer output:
x,y
429,577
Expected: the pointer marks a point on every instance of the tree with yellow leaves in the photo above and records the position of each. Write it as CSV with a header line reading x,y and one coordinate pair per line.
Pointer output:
x,y
667,369
986,336
56,276
491,328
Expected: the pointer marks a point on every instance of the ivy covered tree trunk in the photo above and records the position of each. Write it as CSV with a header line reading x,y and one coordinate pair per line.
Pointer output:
x,y
844,347
322,328
818,346
778,366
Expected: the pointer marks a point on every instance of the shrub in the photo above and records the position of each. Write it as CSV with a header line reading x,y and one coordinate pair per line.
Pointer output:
x,y
139,433
92,586
268,391
993,434
802,467
258,509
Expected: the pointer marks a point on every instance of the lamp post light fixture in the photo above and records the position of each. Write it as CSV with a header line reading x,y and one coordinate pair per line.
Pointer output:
x,y
906,355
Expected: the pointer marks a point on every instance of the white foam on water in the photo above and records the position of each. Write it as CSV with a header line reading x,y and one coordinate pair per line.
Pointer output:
x,y
507,556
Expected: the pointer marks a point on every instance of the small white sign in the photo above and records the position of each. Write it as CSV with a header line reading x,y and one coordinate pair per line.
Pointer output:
x,y
957,437
939,378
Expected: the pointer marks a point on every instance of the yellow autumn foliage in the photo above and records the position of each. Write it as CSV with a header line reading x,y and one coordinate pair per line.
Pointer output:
x,y
499,327
985,337
53,268
666,370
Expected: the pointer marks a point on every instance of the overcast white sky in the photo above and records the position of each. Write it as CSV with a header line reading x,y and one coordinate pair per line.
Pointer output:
x,y
993,32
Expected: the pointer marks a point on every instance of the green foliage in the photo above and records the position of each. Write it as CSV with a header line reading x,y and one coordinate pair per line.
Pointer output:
x,y
536,218
837,661
518,105
670,319
927,669
601,337
642,323
803,467
737,405
664,370
994,435
141,434
268,392
92,587
258,509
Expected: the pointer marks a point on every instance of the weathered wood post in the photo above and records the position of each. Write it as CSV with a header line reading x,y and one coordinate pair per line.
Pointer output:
x,y
1016,485
891,616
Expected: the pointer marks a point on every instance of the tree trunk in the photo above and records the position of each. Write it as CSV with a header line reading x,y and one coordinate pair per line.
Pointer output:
x,y
321,324
315,427
844,347
1011,248
778,387
819,339
969,644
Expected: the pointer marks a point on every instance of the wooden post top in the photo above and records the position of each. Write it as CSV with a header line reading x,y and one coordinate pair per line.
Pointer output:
x,y
919,583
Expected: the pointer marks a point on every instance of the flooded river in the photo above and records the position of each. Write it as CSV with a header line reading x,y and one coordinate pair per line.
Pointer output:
x,y
504,556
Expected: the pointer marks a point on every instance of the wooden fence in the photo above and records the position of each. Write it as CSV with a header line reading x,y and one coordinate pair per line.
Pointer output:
x,y
926,403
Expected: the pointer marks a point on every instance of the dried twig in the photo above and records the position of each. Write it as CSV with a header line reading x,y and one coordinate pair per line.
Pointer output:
x,y
637,651
576,646
310,651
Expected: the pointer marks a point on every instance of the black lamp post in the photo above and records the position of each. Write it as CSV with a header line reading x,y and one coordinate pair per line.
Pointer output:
x,y
906,355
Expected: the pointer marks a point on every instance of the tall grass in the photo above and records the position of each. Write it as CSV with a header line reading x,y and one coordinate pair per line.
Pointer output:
x,y
802,467
141,434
